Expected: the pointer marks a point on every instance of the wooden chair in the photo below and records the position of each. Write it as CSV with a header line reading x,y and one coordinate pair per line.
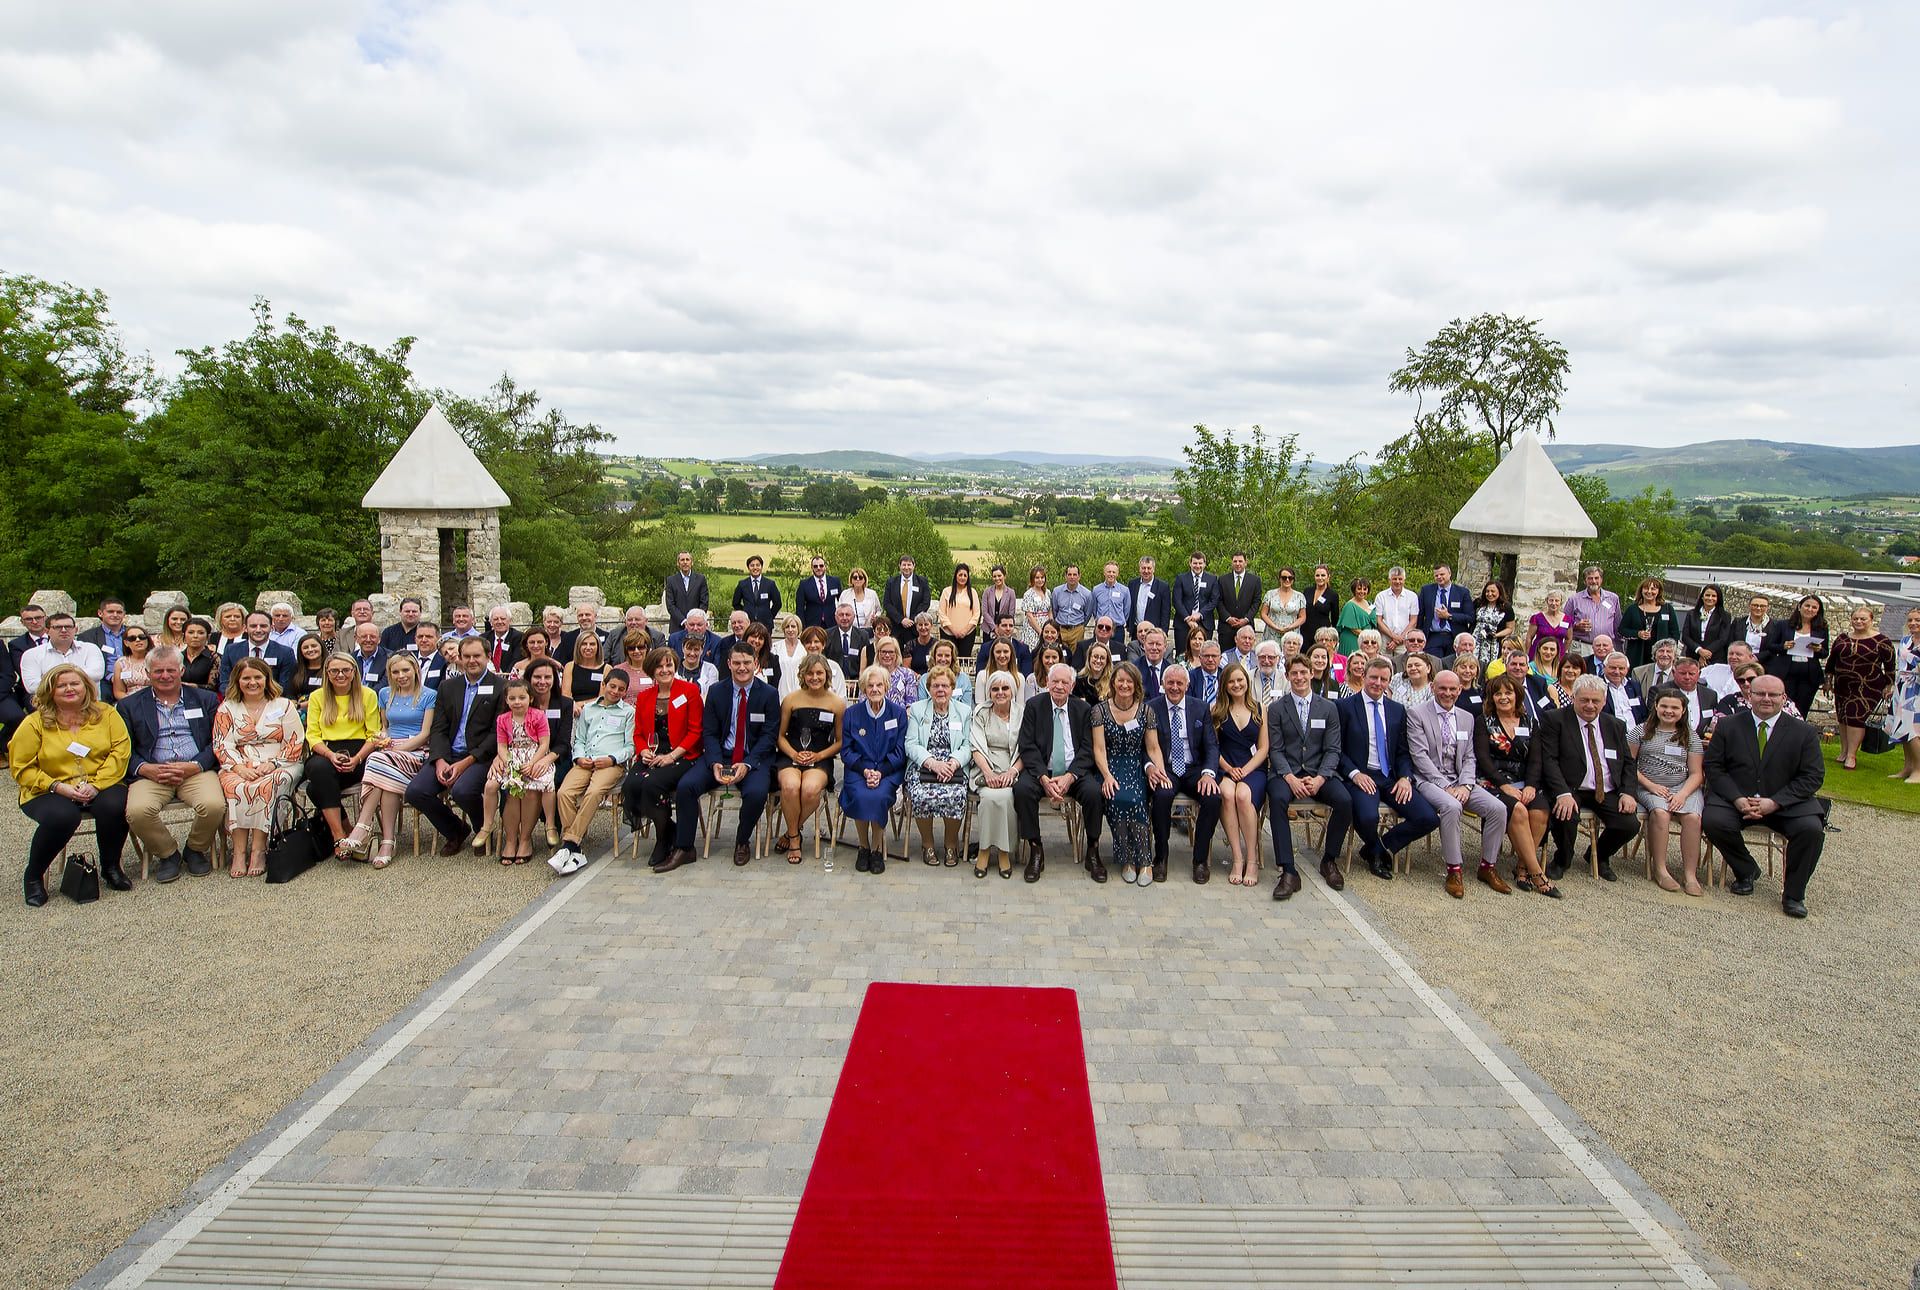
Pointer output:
x,y
1642,843
173,813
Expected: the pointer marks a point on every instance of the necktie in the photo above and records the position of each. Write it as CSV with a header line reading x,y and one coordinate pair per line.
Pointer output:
x,y
1599,763
1211,687
1058,766
1236,584
1302,705
1763,738
1379,734
1659,678
1177,733
740,729
256,652
823,588
1453,745
499,649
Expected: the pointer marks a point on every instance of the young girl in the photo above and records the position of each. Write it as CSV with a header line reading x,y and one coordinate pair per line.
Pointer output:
x,y
523,768
543,679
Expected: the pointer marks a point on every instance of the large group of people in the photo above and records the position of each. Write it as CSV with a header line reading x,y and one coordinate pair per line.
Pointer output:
x,y
1117,704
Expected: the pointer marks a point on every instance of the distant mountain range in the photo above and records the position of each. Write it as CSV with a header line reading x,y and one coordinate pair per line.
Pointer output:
x,y
1749,467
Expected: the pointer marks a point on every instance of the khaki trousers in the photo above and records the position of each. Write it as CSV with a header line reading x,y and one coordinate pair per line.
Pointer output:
x,y
146,799
581,793
1070,636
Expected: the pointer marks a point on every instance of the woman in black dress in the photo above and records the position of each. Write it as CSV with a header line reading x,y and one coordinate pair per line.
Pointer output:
x,y
1702,626
199,665
1323,603
1509,764
1801,675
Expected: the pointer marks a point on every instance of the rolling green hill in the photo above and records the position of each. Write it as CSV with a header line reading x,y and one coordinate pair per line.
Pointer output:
x,y
1745,467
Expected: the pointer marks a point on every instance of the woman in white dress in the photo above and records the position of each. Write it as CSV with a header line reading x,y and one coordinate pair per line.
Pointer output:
x,y
864,599
995,747
787,653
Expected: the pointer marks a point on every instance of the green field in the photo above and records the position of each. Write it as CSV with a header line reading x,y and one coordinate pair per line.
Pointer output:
x,y
802,528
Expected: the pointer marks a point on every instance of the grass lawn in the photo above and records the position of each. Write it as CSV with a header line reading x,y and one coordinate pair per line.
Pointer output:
x,y
801,528
1869,785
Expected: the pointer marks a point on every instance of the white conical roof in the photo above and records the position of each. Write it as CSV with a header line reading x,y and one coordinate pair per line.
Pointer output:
x,y
1525,497
434,471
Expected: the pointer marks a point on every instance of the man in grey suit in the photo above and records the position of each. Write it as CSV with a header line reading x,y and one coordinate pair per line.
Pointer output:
x,y
1440,741
1666,651
1303,764
685,590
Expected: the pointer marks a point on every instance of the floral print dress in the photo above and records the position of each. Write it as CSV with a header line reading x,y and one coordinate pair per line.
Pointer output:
x,y
275,739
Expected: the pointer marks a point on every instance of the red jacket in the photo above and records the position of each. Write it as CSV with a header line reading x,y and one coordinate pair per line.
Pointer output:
x,y
683,717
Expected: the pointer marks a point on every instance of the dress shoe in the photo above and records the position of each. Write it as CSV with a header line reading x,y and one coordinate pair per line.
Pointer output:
x,y
742,853
1557,868
878,864
862,860
451,846
1491,876
677,857
1201,871
1456,886
1036,862
1741,886
114,876
1159,870
1381,867
1096,868
1793,908
36,893
166,869
197,862
1289,884
1606,872
1331,875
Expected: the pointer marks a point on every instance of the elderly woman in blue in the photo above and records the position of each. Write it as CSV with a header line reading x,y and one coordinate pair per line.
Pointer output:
x,y
874,752
939,747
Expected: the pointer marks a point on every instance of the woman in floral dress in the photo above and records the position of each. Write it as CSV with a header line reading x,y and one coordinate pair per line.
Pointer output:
x,y
1123,740
261,745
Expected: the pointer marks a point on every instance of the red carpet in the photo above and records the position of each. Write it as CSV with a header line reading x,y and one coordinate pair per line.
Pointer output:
x,y
959,1149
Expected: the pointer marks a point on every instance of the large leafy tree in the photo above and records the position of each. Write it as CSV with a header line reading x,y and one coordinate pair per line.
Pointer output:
x,y
881,533
1247,495
1639,534
1493,373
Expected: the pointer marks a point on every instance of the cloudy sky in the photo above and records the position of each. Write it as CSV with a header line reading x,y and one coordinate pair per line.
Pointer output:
x,y
994,227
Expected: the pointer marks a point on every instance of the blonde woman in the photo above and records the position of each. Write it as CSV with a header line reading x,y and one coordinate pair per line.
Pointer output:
x,y
406,708
581,681
1240,729
231,620
864,599
70,757
260,746
344,728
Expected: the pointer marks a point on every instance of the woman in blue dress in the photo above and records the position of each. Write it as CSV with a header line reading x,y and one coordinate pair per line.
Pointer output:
x,y
873,748
407,707
1241,727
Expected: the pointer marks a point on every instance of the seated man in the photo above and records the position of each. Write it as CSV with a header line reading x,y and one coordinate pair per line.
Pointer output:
x,y
1243,645
1763,769
461,744
1700,699
1463,646
1303,764
739,729
370,656
256,645
1056,763
1189,763
737,624
1440,742
400,635
602,746
1105,632
845,641
1204,678
62,647
634,620
1153,661
1585,762
1416,643
1624,699
171,730
1660,671
586,619
1602,651
1268,678
1719,677
1736,702
1375,763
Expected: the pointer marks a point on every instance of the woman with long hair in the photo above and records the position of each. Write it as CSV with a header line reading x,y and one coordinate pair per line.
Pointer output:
x,y
1650,619
1036,608
406,707
1703,626
1493,621
1793,648
260,745
69,756
1667,770
1241,731
344,728
1508,762
130,669
960,610
809,739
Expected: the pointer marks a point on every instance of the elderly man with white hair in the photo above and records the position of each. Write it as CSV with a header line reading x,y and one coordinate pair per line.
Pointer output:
x,y
284,632
1268,678
1056,765
1586,764
506,644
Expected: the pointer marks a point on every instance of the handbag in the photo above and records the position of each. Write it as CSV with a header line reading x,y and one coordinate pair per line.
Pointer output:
x,y
299,839
1876,738
80,880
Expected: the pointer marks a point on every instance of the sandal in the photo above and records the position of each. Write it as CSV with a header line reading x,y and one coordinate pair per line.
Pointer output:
x,y
383,856
933,857
257,868
951,856
1543,886
792,847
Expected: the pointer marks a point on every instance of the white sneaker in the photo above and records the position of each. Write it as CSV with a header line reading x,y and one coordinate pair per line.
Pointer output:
x,y
561,862
1145,878
576,861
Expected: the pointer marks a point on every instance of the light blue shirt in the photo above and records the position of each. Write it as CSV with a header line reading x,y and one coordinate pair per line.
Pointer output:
x,y
1112,602
1073,607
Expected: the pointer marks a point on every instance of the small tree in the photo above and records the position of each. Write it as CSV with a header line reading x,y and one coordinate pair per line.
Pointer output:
x,y
1492,372
1237,496
881,533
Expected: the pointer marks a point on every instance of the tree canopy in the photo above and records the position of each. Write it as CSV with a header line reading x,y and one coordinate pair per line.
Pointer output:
x,y
1493,372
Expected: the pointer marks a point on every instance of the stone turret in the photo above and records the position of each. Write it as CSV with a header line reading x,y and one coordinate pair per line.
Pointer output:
x,y
1523,526
439,523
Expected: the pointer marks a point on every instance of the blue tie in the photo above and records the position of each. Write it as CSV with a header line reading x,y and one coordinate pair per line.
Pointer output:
x,y
1379,733
1177,729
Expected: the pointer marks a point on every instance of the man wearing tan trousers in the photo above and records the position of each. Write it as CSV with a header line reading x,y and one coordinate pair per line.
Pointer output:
x,y
171,726
602,746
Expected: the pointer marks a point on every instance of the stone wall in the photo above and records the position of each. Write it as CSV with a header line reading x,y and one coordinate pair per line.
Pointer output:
x,y
410,554
1541,565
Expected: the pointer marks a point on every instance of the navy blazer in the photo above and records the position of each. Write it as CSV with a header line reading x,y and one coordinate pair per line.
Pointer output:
x,y
1159,605
1459,603
16,649
1189,597
142,716
1150,675
813,611
1203,748
1354,721
373,671
763,608
763,722
278,657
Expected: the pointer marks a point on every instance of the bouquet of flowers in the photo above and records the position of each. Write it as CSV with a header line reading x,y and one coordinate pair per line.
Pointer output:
x,y
516,782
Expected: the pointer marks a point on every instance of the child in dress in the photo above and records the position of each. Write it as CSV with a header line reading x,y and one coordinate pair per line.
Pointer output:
x,y
523,769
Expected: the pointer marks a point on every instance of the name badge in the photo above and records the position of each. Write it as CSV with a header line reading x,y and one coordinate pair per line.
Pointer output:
x,y
763,595
954,724
826,718
1200,584
1612,755
591,676
1461,735
1132,725
1149,593
890,725
756,716
1317,723
1521,732
191,714
553,714
679,700
1673,750
483,689
78,749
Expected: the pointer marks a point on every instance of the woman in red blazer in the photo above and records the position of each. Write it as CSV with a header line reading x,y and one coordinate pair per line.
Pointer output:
x,y
666,740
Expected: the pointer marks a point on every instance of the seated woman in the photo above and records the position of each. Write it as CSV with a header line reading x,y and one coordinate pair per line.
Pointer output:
x,y
1125,743
543,682
1325,683
1002,657
995,741
1508,762
1240,728
666,742
130,670
173,627
1336,661
1366,648
580,683
938,748
1543,679
1044,659
1668,771
260,745
1414,687
309,671
199,664
1291,643
694,666
870,653
903,683
946,654
522,768
809,738
1472,696
787,653
1095,675
231,619
343,730
815,641
538,645
406,707
326,625
873,742
69,756
634,647
761,639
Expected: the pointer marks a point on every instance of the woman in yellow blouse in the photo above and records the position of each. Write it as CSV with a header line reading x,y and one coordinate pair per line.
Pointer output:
x,y
70,758
344,728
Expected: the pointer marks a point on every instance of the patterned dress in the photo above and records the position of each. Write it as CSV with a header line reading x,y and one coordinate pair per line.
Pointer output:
x,y
998,740
520,737
1906,690
1862,672
930,797
1487,622
275,739
1034,602
1663,759
1126,810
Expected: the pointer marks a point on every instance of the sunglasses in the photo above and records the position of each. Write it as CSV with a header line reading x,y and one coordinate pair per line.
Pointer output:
x,y
1286,577
1743,680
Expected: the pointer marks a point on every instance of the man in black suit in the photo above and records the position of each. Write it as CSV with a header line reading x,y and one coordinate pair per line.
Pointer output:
x,y
1101,631
685,591
1763,769
737,624
613,642
1189,763
427,656
1239,598
814,599
506,644
906,594
14,701
256,645
460,747
1303,764
586,618
399,636
1196,597
1002,631
1152,600
1153,661
739,727
171,732
1585,762
1701,700
1055,771
845,641
758,594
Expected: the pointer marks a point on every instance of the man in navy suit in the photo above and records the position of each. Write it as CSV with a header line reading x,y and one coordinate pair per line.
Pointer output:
x,y
816,596
696,626
739,727
1152,600
1303,764
1153,662
1445,607
1624,699
370,656
906,595
427,656
170,727
1196,598
758,594
1376,762
685,591
256,644
1002,631
1189,763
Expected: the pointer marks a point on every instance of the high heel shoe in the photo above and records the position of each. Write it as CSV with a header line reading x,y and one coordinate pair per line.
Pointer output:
x,y
354,844
480,836
383,856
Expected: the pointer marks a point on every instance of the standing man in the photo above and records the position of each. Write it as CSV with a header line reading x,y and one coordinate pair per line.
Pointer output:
x,y
461,744
1189,763
816,597
1150,600
256,645
1446,609
1376,763
1239,598
1112,600
400,635
506,644
171,731
1593,611
1153,661
1440,742
1763,770
1072,608
110,638
1303,764
905,596
1395,611
586,618
1056,762
685,591
33,623
739,727
1586,763
757,594
1196,597
62,647
462,623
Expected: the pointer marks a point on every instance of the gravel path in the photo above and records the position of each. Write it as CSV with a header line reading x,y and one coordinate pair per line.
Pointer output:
x,y
1758,1072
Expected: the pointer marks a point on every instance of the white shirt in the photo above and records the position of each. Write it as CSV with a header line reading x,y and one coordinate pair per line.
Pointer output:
x,y
1595,778
41,659
1718,678
1756,632
1140,600
865,605
1622,705
1396,613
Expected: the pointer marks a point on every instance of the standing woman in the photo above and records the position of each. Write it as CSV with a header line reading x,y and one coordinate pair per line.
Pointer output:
x,y
1284,609
1492,622
543,683
69,756
580,683
258,742
1797,665
343,730
309,669
405,708
1241,729
1702,626
1508,760
1650,618
1036,607
173,627
1667,759
999,601
864,599
960,610
130,671
1356,616
1323,605
1906,700
1863,666
1549,624
873,742
939,728
995,740
199,664
232,619
809,738
1123,742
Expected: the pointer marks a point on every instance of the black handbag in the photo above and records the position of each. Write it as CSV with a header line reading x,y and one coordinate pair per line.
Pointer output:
x,y
299,839
80,880
1875,740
